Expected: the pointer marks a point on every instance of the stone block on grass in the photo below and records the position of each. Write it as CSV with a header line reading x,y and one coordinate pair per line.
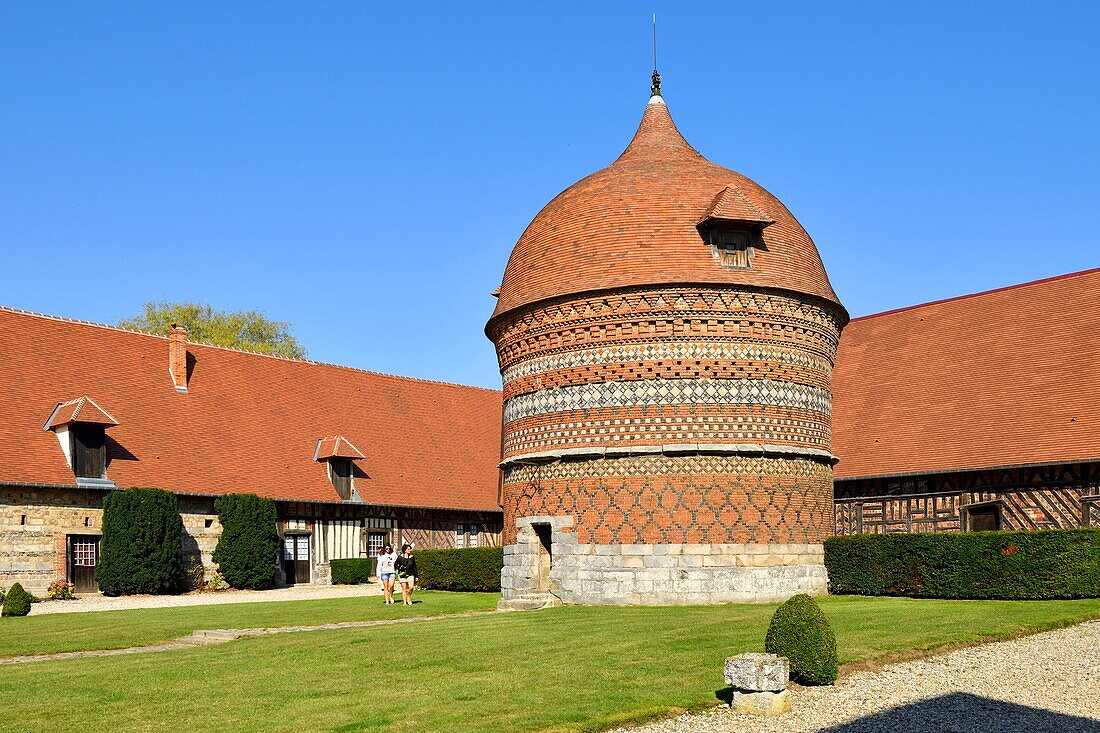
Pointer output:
x,y
757,672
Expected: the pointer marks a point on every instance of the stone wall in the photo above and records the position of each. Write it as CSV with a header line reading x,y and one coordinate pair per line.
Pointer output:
x,y
659,574
36,521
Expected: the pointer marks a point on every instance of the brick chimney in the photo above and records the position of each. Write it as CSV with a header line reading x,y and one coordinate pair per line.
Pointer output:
x,y
177,356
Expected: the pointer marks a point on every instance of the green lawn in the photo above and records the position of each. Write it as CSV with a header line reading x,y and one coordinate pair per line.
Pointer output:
x,y
66,632
573,668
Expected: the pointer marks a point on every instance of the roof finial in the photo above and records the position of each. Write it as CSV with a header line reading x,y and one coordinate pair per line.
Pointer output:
x,y
655,80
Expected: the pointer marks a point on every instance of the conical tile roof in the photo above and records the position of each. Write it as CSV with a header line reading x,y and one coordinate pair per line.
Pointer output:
x,y
634,223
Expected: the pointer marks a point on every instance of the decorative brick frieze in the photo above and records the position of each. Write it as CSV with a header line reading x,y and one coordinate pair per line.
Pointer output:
x,y
668,392
682,353
655,424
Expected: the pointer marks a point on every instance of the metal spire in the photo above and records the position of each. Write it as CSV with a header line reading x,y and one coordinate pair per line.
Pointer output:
x,y
655,80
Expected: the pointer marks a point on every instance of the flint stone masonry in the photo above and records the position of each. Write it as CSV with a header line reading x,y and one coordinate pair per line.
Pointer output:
x,y
661,574
757,672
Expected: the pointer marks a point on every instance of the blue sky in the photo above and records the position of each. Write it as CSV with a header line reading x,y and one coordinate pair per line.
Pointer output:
x,y
363,172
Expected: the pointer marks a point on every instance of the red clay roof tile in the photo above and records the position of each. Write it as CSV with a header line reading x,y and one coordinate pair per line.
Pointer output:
x,y
80,410
1006,377
426,443
634,223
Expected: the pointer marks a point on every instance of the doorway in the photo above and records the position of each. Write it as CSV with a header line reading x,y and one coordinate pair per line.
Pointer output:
x,y
83,560
546,556
984,518
296,558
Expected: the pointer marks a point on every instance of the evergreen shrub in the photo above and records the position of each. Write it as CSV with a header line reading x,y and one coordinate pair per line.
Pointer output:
x,y
471,569
1034,565
800,632
352,572
248,549
141,549
17,602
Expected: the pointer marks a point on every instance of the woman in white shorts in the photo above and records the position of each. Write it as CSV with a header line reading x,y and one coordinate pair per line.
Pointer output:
x,y
386,572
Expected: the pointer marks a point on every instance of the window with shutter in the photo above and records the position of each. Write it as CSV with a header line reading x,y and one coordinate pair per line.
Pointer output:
x,y
89,450
341,477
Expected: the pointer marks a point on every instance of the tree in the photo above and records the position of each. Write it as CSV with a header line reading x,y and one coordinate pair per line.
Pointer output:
x,y
142,545
249,330
248,549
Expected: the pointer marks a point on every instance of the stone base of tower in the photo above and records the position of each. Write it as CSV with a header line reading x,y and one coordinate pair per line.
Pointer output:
x,y
656,575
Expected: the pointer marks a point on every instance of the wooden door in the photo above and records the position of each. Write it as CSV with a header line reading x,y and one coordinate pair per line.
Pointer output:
x,y
83,559
296,558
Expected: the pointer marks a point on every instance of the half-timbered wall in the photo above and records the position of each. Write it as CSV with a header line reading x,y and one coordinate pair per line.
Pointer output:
x,y
1032,497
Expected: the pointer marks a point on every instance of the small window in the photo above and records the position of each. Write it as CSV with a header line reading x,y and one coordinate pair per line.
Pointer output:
x,y
89,450
375,542
466,535
341,477
732,249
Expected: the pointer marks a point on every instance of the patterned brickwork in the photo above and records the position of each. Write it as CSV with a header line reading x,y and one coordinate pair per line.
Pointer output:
x,y
677,499
656,425
655,402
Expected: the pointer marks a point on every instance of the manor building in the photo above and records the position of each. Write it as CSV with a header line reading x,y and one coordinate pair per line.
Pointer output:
x,y
353,459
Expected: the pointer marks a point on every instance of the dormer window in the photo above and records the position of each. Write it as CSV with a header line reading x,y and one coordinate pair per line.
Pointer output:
x,y
732,249
340,455
80,426
88,448
733,227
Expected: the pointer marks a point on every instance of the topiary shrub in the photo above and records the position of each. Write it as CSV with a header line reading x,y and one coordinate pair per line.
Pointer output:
x,y
471,569
17,602
1031,565
800,632
352,572
141,549
248,549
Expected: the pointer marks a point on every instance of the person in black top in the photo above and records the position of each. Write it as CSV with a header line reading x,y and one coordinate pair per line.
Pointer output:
x,y
405,565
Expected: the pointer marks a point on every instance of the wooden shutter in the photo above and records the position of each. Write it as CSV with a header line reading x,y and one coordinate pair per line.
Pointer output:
x,y
89,451
341,477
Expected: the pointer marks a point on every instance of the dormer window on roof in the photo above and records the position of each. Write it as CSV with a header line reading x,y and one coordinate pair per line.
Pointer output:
x,y
80,426
732,227
338,453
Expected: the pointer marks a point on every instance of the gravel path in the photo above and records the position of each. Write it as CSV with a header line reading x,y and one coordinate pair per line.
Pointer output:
x,y
1045,682
292,593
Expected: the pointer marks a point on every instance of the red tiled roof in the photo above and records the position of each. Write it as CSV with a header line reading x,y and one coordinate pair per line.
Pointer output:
x,y
1006,377
634,223
731,205
81,410
336,447
248,422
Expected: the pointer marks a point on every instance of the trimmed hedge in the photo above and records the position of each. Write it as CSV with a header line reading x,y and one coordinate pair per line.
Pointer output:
x,y
800,632
17,602
351,572
141,549
472,569
1035,565
248,549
